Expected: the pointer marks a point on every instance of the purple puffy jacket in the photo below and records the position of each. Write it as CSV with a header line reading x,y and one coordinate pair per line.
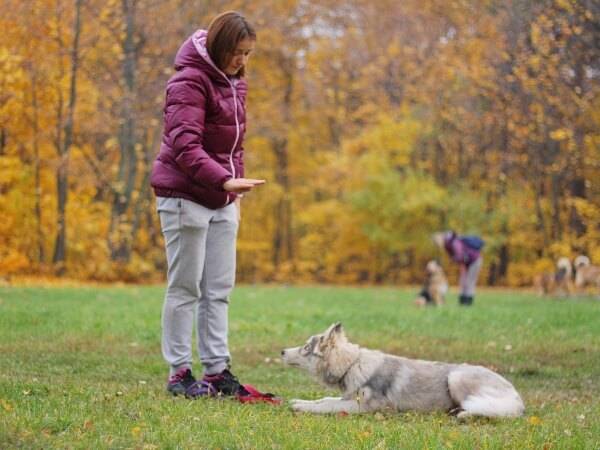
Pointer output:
x,y
204,125
459,251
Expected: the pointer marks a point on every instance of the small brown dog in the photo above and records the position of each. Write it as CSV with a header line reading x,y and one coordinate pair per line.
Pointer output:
x,y
559,282
435,287
586,274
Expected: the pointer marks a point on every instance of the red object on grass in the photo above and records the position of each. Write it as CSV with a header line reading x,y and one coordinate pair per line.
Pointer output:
x,y
253,395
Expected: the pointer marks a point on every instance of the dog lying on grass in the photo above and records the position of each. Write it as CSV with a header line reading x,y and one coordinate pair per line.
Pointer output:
x,y
371,381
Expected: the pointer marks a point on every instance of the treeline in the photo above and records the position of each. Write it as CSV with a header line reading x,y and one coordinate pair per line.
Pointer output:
x,y
375,123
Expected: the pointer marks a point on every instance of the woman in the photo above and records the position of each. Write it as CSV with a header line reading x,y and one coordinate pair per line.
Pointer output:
x,y
466,251
198,178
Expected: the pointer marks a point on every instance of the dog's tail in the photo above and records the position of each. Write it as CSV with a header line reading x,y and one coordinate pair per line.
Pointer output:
x,y
494,403
480,392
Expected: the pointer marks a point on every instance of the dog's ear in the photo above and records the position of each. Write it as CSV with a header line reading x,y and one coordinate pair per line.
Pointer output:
x,y
334,331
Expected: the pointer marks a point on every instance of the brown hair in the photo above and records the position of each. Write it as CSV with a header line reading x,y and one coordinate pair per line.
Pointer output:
x,y
224,34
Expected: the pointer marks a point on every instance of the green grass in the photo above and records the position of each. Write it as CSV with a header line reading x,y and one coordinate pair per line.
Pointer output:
x,y
81,368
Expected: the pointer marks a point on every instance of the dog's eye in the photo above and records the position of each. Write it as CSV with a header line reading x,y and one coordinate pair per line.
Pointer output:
x,y
306,349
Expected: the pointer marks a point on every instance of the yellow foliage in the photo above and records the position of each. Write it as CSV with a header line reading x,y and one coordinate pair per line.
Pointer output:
x,y
12,261
370,136
560,134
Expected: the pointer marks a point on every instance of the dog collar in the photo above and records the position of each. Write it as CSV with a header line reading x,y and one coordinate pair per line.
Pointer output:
x,y
341,379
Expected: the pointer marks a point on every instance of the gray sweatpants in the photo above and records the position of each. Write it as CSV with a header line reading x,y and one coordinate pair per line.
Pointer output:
x,y
468,278
200,245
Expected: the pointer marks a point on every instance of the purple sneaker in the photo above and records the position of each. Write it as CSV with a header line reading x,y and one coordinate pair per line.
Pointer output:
x,y
184,383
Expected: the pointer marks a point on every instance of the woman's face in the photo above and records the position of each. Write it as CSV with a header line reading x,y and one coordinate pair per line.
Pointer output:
x,y
240,56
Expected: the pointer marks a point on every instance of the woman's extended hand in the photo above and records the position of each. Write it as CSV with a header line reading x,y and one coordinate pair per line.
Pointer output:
x,y
239,185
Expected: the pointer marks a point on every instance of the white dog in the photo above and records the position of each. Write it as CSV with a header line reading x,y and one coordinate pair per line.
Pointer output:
x,y
371,380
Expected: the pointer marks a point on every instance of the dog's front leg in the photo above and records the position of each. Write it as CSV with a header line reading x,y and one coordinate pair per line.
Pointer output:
x,y
327,405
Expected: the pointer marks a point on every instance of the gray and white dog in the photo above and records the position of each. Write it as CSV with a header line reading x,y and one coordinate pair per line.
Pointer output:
x,y
371,380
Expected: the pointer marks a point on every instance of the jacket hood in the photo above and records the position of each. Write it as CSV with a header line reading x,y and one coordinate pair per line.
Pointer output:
x,y
193,53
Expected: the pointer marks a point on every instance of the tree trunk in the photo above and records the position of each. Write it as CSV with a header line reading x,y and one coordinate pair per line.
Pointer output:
x,y
120,235
144,202
577,186
556,232
41,257
59,257
283,243
2,140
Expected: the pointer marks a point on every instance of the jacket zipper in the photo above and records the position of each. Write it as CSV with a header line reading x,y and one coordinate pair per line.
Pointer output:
x,y
237,125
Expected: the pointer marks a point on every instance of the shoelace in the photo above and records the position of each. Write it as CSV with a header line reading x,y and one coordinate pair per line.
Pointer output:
x,y
181,377
225,375
231,377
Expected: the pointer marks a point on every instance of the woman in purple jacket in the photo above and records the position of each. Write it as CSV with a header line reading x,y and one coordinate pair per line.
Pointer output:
x,y
466,251
198,179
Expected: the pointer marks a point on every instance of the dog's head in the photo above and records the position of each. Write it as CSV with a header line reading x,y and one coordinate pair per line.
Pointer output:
x,y
564,269
581,261
439,238
564,263
433,267
314,353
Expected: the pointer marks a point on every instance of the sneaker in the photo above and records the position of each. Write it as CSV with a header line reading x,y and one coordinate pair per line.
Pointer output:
x,y
184,383
224,383
465,300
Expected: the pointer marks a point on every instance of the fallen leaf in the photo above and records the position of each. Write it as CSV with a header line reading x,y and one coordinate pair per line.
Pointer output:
x,y
7,406
534,420
364,434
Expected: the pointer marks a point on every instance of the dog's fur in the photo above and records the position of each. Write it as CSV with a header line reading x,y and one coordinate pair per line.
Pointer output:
x,y
586,274
435,287
557,283
371,381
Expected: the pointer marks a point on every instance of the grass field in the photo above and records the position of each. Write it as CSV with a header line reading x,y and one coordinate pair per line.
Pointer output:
x,y
81,368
